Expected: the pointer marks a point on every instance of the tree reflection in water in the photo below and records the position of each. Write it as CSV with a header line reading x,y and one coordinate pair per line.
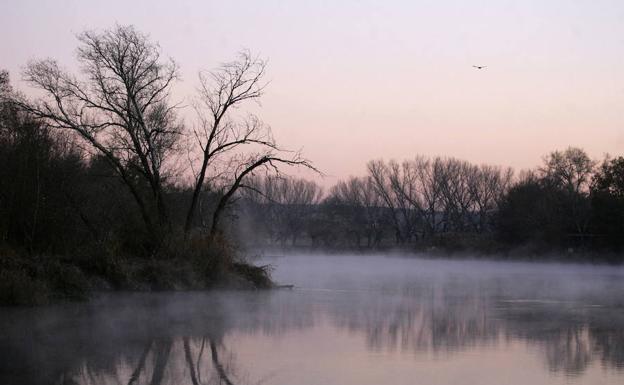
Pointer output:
x,y
184,338
160,364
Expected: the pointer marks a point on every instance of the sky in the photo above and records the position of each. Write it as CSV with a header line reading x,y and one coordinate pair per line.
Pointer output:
x,y
352,81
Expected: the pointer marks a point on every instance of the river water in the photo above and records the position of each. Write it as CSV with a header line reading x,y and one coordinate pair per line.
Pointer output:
x,y
348,320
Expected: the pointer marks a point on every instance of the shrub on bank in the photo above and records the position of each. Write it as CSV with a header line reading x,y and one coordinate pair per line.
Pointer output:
x,y
200,265
39,280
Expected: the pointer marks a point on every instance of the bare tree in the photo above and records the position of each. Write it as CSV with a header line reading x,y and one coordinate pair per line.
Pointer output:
x,y
456,197
378,173
345,198
429,178
427,196
119,106
364,208
487,185
263,206
403,183
397,186
283,205
232,147
298,196
571,170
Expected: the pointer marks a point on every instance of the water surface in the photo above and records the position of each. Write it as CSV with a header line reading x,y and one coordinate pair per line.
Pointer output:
x,y
349,320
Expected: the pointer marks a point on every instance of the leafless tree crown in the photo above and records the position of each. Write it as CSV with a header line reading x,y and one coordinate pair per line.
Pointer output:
x,y
232,147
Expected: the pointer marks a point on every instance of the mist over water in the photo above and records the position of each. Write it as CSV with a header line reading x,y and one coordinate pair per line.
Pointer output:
x,y
349,319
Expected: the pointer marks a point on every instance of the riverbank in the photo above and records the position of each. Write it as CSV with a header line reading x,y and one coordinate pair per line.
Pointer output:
x,y
39,280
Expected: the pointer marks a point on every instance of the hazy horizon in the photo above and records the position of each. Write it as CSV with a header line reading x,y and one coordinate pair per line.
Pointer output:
x,y
355,81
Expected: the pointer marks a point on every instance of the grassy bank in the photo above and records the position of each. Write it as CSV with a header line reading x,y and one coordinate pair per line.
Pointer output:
x,y
40,279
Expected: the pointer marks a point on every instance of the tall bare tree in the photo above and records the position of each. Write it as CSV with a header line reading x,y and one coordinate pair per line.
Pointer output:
x,y
232,147
119,106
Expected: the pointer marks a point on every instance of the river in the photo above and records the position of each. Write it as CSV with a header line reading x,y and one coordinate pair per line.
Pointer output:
x,y
347,320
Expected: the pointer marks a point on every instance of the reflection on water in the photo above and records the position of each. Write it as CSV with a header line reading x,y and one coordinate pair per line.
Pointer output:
x,y
349,320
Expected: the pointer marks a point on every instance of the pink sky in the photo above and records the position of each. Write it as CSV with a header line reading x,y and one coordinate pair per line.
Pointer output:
x,y
357,80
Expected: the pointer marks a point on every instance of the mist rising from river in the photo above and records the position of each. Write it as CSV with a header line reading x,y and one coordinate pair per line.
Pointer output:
x,y
348,319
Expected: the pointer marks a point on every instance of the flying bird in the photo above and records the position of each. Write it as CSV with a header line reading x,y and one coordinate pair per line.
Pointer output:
x,y
479,67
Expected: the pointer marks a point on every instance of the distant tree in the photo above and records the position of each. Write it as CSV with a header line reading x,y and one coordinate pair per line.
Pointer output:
x,y
404,187
543,213
570,172
607,200
361,208
395,184
610,177
282,205
427,197
262,209
344,206
487,186
529,214
456,194
430,177
570,169
301,197
378,174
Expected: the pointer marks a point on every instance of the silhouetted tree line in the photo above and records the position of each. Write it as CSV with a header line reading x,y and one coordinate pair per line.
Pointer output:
x,y
569,204
101,162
